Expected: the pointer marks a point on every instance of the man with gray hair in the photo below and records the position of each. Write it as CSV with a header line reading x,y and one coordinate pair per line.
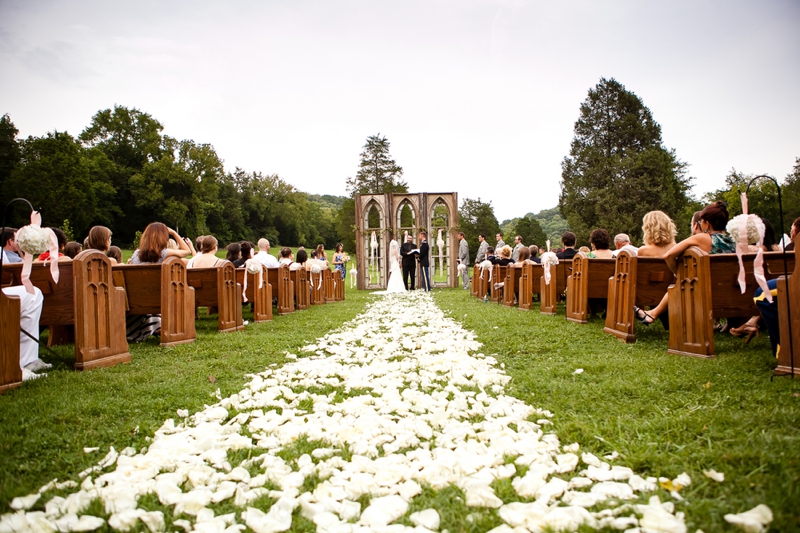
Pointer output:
x,y
263,256
623,242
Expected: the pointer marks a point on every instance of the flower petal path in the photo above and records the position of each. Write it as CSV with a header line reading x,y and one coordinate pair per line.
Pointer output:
x,y
349,434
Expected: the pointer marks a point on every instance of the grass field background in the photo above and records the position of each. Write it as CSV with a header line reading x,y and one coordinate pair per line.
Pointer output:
x,y
663,414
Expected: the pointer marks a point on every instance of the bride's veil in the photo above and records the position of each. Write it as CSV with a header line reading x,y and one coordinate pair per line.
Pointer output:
x,y
394,250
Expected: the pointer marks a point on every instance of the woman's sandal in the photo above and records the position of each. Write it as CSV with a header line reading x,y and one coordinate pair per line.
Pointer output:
x,y
745,329
643,316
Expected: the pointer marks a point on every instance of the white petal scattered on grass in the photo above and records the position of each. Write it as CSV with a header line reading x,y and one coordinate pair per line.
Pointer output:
x,y
756,520
25,502
401,377
90,449
578,371
713,474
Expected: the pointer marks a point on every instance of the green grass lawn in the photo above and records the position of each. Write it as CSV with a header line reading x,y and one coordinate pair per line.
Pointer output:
x,y
663,414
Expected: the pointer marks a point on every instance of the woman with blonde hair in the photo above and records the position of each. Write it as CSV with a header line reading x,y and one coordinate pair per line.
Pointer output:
x,y
659,234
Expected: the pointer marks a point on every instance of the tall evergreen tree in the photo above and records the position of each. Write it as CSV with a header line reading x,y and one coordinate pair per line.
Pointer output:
x,y
617,168
377,173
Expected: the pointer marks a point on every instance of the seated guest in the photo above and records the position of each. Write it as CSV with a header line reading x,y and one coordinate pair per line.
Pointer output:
x,y
623,242
247,253
585,250
61,237
207,256
534,251
505,257
72,248
568,240
302,257
321,255
233,252
600,241
115,254
659,234
30,306
287,257
770,243
695,227
524,257
8,243
794,231
263,256
713,240
153,248
99,238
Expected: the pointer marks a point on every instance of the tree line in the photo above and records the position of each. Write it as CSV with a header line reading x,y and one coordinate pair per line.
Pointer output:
x,y
121,171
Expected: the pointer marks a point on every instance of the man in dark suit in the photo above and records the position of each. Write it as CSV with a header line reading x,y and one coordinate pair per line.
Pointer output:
x,y
424,261
409,262
568,239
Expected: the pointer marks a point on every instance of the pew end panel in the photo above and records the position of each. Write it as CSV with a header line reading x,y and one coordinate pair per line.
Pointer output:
x,y
100,313
498,275
217,287
691,329
475,281
577,289
789,300
177,304
10,371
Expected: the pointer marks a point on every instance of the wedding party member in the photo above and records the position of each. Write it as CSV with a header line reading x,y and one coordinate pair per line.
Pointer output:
x,y
659,234
321,255
395,271
263,256
481,257
568,239
424,261
207,256
463,258
500,243
8,243
599,239
339,262
517,247
713,240
409,262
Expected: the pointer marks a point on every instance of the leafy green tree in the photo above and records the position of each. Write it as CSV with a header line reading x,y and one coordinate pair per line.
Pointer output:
x,y
617,168
130,139
377,173
552,223
531,232
9,153
345,223
790,194
54,176
474,218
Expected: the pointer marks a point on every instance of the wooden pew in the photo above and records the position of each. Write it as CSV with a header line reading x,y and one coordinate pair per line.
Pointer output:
x,y
548,294
706,287
529,284
589,279
511,284
640,281
498,275
339,296
317,283
259,297
476,272
302,290
281,281
85,298
217,287
789,291
480,282
160,289
329,285
10,371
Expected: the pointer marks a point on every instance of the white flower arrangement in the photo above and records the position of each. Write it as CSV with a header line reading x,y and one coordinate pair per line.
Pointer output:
x,y
437,416
549,259
33,240
252,266
755,228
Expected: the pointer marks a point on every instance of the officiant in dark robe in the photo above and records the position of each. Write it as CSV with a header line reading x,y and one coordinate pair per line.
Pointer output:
x,y
408,253
424,261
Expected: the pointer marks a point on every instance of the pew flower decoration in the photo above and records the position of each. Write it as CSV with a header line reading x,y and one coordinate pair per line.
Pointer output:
x,y
486,265
33,240
252,266
549,259
755,228
316,270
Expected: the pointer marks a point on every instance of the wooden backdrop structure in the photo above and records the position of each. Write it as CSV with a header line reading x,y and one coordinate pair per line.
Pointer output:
x,y
430,211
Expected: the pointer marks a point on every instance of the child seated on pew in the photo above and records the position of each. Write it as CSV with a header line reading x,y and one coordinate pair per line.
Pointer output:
x,y
286,256
115,254
72,249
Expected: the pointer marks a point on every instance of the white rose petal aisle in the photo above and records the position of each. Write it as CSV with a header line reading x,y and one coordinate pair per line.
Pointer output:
x,y
354,433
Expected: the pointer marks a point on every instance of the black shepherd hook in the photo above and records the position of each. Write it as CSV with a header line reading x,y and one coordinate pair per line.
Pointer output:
x,y
785,268
2,257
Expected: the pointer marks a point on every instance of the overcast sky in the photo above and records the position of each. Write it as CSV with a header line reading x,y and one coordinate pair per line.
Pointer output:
x,y
477,97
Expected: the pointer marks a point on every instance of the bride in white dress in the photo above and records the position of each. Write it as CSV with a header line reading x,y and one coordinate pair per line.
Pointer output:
x,y
395,272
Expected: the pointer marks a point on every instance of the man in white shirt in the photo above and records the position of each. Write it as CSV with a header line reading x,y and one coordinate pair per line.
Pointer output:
x,y
9,244
623,242
263,256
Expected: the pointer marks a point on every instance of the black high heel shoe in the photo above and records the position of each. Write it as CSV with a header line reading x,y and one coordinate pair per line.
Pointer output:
x,y
643,316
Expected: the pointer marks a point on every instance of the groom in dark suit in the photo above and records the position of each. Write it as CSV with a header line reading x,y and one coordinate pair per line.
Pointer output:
x,y
424,261
409,263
